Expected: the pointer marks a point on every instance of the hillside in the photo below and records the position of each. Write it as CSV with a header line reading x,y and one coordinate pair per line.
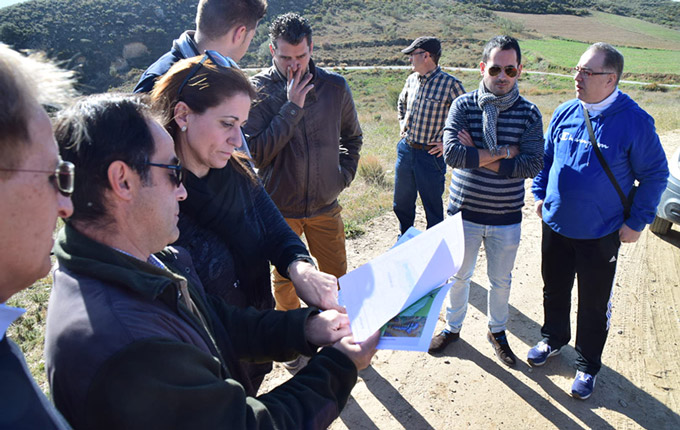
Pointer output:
x,y
108,42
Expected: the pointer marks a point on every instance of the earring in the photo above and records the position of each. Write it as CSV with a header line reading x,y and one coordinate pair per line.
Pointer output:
x,y
184,128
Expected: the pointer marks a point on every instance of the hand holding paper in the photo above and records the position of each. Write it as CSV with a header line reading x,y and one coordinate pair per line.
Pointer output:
x,y
386,286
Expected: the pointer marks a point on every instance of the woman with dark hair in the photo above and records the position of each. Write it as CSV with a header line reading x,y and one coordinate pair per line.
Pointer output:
x,y
228,222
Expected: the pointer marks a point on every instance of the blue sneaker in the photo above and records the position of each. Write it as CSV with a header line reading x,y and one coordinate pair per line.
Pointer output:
x,y
583,385
540,353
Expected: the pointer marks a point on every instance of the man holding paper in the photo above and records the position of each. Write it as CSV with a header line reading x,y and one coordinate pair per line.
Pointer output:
x,y
493,138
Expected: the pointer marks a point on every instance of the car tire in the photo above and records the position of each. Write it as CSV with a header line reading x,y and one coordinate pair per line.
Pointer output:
x,y
660,225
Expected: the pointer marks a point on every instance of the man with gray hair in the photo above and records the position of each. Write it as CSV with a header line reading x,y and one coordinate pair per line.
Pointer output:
x,y
35,186
596,146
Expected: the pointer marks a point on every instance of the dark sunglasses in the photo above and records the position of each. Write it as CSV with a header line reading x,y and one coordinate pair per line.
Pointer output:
x,y
62,178
177,174
216,58
511,71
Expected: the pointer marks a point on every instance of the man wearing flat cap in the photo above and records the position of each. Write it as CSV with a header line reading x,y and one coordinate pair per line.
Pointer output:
x,y
423,105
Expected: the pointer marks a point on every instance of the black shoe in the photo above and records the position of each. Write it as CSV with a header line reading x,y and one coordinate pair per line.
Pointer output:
x,y
502,348
442,340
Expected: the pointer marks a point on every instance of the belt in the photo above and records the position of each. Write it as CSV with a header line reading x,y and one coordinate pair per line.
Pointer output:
x,y
418,145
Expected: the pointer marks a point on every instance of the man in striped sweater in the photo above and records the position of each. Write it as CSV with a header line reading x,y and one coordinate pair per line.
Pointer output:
x,y
493,138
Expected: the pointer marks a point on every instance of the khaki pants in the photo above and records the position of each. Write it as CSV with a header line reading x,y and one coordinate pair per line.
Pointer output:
x,y
325,235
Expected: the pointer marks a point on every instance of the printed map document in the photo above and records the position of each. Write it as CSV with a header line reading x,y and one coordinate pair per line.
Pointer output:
x,y
401,291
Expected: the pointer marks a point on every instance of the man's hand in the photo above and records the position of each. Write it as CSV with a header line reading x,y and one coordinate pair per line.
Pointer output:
x,y
327,328
628,235
359,353
465,139
314,287
438,149
538,207
298,86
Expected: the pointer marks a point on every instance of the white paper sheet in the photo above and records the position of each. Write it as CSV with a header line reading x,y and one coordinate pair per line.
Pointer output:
x,y
380,289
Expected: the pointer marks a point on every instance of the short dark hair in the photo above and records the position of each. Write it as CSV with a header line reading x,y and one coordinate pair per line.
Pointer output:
x,y
214,18
503,43
290,27
93,133
613,59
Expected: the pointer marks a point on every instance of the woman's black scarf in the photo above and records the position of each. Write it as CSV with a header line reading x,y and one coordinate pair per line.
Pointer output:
x,y
222,203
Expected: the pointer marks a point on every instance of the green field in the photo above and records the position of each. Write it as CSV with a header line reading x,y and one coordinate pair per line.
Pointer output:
x,y
565,54
639,26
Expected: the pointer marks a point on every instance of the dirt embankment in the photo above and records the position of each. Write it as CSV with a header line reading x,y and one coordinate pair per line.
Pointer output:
x,y
466,387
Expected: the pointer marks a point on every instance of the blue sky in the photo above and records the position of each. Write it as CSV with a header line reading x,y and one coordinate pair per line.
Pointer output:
x,y
4,3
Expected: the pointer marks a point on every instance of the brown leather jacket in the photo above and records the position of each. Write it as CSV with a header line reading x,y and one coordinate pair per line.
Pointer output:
x,y
307,156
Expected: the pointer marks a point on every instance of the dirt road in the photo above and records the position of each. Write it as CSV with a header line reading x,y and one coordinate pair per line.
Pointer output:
x,y
466,387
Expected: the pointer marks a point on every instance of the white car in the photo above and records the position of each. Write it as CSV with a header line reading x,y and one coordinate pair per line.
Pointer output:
x,y
668,211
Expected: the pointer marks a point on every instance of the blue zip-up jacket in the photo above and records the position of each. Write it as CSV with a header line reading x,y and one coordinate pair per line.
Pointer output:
x,y
580,201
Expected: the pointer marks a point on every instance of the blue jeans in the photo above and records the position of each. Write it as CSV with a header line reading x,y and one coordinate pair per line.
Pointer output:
x,y
418,172
500,244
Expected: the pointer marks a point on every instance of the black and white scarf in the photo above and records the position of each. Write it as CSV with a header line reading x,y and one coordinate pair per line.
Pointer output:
x,y
491,105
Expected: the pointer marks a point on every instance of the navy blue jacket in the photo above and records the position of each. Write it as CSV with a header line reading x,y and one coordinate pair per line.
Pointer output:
x,y
22,404
182,47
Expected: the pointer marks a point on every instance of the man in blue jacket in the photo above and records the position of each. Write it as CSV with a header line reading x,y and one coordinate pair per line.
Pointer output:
x,y
584,219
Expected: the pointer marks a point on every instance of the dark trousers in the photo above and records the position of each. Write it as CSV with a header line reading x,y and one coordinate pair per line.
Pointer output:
x,y
593,262
418,172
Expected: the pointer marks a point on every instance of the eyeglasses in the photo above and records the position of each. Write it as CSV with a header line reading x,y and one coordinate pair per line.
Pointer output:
x,y
511,71
587,72
416,53
62,178
177,174
216,58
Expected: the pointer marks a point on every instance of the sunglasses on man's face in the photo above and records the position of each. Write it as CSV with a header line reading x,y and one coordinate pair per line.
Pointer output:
x,y
176,174
216,58
511,71
63,177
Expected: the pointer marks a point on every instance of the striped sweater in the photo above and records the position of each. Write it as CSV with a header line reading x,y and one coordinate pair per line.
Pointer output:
x,y
484,196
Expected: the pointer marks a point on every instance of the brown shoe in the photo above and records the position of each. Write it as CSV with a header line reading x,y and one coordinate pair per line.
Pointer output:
x,y
502,348
442,340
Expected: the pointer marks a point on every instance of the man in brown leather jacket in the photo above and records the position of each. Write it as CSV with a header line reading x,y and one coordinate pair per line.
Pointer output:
x,y
305,138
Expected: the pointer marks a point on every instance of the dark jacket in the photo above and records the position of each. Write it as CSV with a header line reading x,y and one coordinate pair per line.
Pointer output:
x,y
124,351
182,47
22,404
230,226
305,156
